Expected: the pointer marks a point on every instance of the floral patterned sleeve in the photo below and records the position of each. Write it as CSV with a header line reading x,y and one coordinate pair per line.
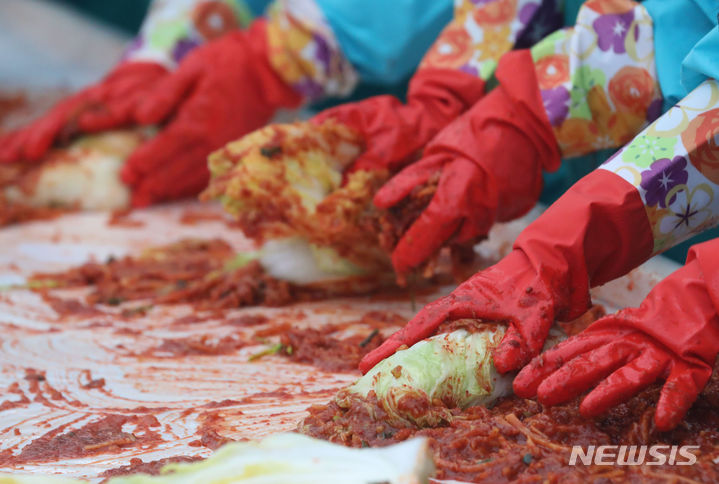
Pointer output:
x,y
304,51
674,163
483,30
598,79
174,27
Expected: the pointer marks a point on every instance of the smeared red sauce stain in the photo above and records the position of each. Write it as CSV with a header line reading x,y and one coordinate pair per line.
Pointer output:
x,y
204,345
14,389
247,320
209,431
70,307
193,217
222,403
279,394
121,218
96,383
190,319
153,468
17,213
520,441
104,436
43,391
274,329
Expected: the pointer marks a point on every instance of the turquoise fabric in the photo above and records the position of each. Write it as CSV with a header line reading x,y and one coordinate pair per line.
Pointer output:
x,y
571,9
683,31
386,48
129,14
257,7
703,60
126,15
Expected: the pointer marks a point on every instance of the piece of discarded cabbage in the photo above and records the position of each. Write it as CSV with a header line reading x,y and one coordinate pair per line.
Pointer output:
x,y
287,459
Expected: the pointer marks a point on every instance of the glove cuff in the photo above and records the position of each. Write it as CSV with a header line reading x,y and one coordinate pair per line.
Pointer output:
x,y
706,256
135,66
597,231
518,78
444,93
274,88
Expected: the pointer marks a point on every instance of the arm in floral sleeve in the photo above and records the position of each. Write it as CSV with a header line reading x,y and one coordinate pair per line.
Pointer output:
x,y
482,32
581,89
450,79
172,28
234,84
598,79
674,164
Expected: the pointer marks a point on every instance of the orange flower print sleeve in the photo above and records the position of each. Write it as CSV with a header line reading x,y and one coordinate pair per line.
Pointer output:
x,y
598,79
173,28
674,164
483,30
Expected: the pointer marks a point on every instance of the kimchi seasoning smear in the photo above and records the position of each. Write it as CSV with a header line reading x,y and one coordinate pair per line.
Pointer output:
x,y
104,436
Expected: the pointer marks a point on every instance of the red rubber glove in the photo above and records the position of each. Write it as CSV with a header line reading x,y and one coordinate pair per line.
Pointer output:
x,y
395,132
597,231
106,105
220,91
491,161
673,335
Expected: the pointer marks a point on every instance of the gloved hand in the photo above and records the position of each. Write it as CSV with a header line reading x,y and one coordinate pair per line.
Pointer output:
x,y
395,132
491,161
220,91
597,231
673,335
105,105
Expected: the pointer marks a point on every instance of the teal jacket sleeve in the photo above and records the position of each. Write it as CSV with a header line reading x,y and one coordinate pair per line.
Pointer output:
x,y
685,34
387,48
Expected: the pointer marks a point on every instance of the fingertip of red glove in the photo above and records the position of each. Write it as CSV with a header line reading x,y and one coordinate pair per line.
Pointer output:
x,y
142,197
385,350
511,354
399,263
372,358
128,175
527,381
666,420
387,196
